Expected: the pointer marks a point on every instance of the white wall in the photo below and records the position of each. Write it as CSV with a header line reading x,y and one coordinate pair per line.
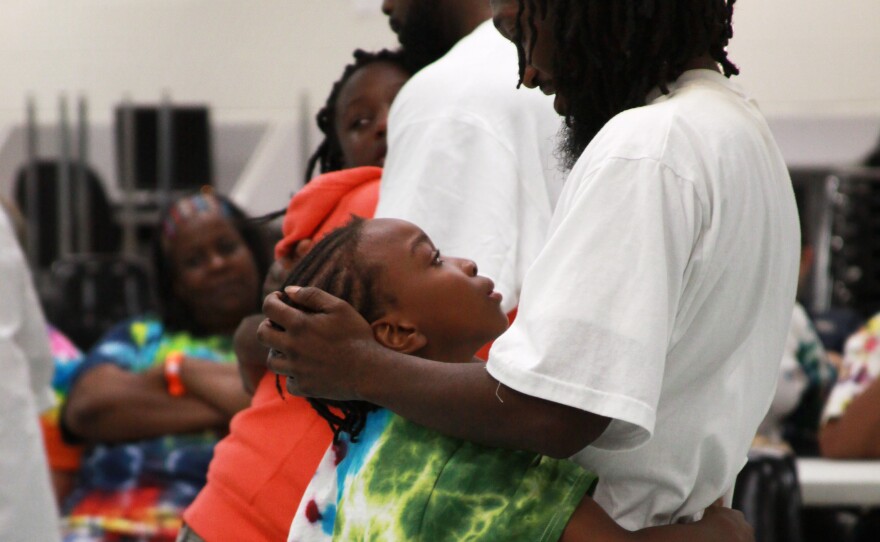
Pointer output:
x,y
251,60
247,58
810,57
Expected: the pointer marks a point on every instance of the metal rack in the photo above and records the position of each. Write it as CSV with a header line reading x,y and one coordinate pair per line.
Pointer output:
x,y
847,241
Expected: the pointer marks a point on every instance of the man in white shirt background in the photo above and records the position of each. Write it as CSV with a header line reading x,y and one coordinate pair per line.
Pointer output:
x,y
470,159
652,323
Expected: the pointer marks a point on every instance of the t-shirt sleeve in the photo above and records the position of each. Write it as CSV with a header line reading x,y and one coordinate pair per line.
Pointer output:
x,y
458,182
596,314
128,345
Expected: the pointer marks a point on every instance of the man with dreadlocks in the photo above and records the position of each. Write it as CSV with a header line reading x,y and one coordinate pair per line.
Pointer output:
x,y
652,323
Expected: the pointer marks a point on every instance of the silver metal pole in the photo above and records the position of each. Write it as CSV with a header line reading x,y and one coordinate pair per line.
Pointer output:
x,y
822,286
127,162
305,119
32,190
83,207
65,218
165,149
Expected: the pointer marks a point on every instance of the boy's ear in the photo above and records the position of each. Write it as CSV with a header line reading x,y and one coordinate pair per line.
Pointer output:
x,y
398,335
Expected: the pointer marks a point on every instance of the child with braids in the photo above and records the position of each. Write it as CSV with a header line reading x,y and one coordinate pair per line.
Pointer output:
x,y
401,481
274,446
354,123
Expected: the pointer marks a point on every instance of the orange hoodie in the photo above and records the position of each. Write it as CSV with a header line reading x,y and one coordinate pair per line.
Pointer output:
x,y
327,203
261,469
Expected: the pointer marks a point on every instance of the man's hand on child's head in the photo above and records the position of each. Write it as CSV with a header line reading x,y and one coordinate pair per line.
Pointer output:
x,y
322,346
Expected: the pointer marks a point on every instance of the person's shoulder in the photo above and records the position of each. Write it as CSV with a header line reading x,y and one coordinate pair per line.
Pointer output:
x,y
476,79
701,114
138,330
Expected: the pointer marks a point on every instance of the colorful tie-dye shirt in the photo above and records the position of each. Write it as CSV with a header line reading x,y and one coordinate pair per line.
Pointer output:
x,y
401,481
67,359
138,490
860,368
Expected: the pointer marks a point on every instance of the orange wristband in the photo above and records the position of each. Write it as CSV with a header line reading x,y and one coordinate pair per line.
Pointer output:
x,y
173,361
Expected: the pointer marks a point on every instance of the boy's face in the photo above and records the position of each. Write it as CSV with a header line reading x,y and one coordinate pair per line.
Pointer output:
x,y
362,113
442,297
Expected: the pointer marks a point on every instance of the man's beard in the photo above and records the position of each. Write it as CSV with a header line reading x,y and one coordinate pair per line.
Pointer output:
x,y
422,37
581,124
585,115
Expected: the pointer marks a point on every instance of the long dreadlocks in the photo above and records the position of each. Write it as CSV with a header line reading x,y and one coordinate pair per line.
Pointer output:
x,y
333,266
610,54
329,153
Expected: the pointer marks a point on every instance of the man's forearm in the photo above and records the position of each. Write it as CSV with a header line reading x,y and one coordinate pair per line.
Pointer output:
x,y
464,401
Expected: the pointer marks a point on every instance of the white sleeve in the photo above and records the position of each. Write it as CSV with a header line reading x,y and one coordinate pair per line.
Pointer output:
x,y
598,306
457,181
24,340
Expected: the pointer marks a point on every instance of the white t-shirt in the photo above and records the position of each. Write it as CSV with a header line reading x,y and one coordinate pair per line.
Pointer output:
x,y
27,506
471,159
663,297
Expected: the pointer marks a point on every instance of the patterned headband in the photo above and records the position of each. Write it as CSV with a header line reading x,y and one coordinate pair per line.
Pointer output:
x,y
191,207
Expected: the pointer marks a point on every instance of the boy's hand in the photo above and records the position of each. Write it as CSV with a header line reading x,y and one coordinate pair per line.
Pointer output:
x,y
323,345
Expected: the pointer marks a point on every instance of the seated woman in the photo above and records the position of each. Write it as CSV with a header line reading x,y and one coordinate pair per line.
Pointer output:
x,y
389,479
157,392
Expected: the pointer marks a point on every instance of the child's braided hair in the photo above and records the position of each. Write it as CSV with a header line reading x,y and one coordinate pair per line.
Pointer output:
x,y
333,266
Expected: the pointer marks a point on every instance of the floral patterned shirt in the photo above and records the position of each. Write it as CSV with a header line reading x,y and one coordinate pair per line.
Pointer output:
x,y
861,366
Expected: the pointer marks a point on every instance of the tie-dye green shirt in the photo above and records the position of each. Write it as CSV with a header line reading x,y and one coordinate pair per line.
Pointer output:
x,y
401,481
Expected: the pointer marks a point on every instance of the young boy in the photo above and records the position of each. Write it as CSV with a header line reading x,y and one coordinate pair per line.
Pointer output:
x,y
401,481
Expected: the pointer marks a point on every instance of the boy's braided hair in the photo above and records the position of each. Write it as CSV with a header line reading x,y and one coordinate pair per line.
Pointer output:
x,y
333,266
610,54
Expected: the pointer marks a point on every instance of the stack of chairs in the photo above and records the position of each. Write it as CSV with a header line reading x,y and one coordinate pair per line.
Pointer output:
x,y
85,283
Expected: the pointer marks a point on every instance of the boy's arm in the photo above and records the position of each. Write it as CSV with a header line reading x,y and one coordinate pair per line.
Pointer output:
x,y
330,353
590,523
251,355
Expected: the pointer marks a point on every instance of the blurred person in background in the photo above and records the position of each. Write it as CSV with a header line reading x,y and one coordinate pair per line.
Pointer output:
x,y
157,392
